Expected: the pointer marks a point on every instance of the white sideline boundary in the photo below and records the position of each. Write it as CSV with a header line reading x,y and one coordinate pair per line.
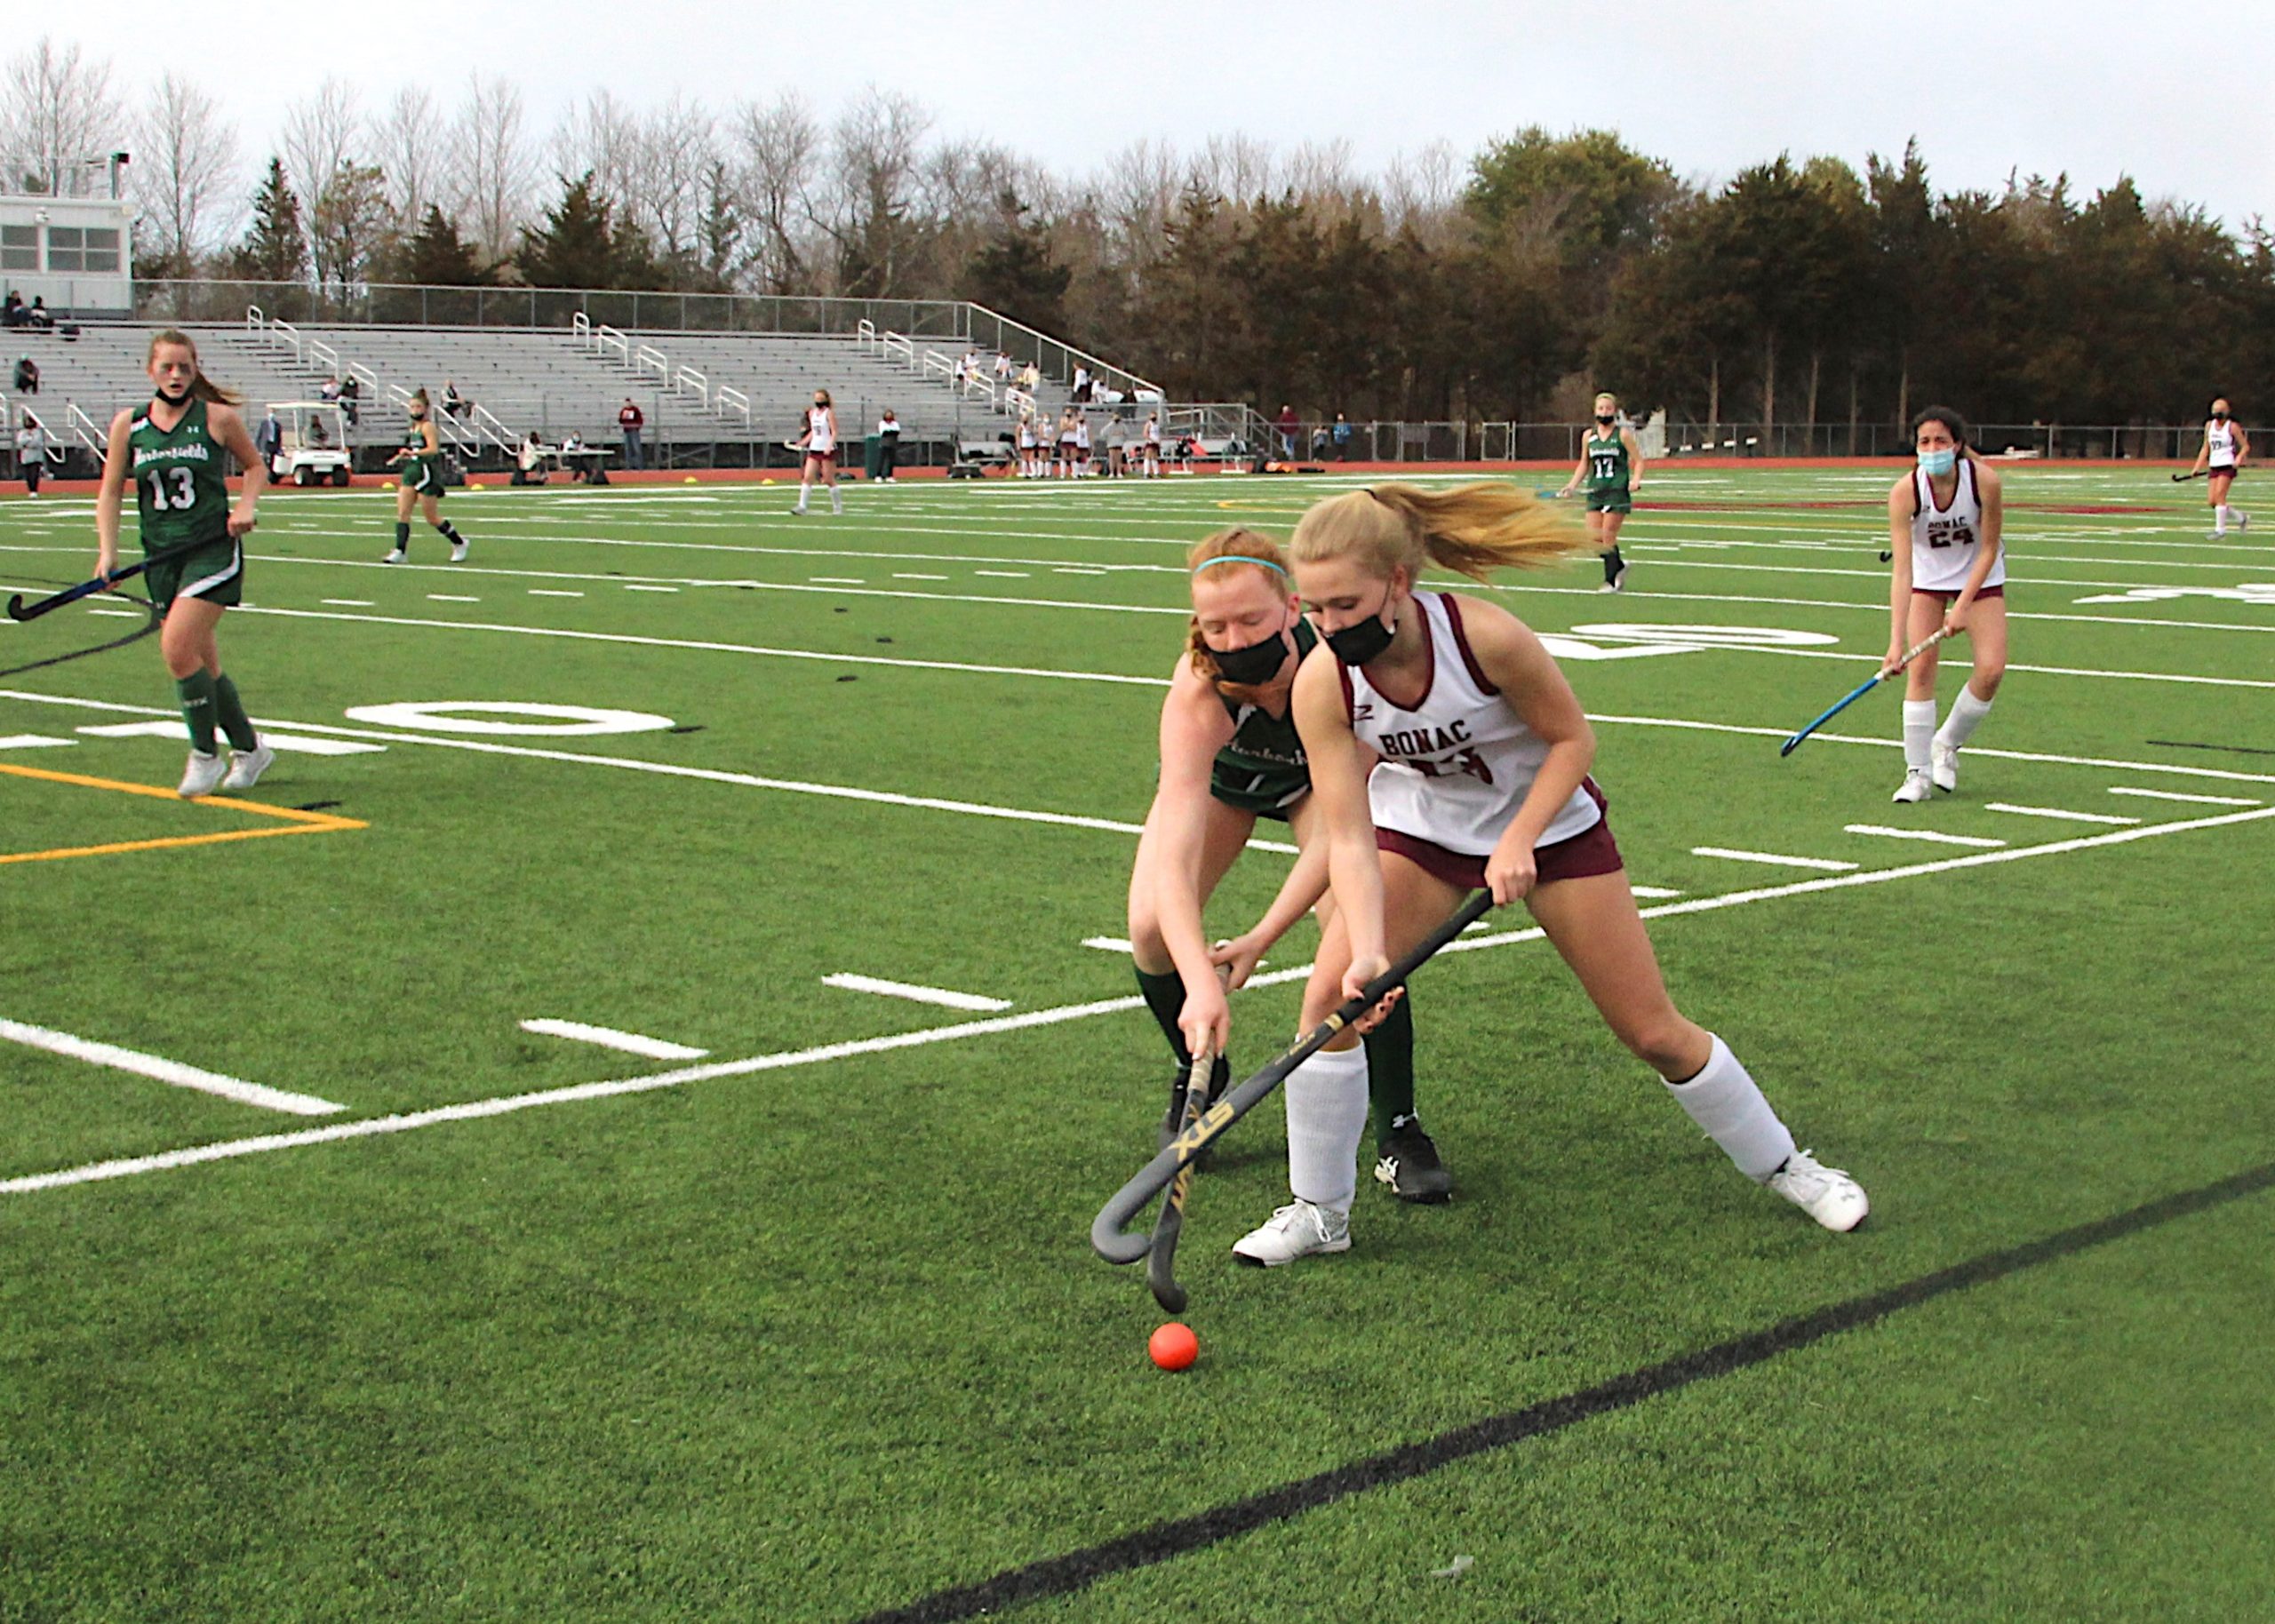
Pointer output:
x,y
159,1069
230,1149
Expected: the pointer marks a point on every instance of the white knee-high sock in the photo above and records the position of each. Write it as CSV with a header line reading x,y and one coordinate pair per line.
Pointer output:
x,y
1327,1112
1919,732
1723,1100
1966,714
2220,520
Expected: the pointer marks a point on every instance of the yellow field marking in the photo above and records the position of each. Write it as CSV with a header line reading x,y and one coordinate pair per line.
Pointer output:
x,y
297,821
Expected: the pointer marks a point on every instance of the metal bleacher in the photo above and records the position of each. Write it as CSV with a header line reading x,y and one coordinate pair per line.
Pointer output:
x,y
699,390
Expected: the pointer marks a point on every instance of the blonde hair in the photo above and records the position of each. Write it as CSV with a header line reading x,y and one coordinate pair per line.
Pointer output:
x,y
1270,562
200,385
1471,530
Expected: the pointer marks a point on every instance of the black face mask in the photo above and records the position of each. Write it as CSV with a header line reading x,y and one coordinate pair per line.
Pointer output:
x,y
2219,417
1605,417
1254,666
1364,640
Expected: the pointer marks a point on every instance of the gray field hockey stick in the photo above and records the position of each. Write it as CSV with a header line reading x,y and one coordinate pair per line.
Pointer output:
x,y
1109,1231
1160,1252
1862,688
17,609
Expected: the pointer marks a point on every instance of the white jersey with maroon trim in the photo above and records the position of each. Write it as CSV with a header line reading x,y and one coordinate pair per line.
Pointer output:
x,y
1945,539
1458,763
821,424
2220,441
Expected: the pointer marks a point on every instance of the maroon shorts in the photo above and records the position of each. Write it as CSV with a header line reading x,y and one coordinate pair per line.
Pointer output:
x,y
1952,597
828,456
1592,851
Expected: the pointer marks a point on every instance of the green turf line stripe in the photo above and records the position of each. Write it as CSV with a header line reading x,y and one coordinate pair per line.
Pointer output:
x,y
1076,1570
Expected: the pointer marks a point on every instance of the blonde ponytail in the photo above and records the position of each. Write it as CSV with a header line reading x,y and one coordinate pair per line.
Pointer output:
x,y
202,386
1471,530
1265,559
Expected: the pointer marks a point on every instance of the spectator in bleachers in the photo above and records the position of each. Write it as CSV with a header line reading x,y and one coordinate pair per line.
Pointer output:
x,y
26,376
351,395
967,369
31,451
1002,366
39,315
1031,379
631,421
888,445
1081,390
12,314
1288,424
328,390
455,405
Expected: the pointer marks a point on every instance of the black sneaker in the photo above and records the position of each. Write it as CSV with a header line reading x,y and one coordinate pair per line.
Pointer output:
x,y
1408,1162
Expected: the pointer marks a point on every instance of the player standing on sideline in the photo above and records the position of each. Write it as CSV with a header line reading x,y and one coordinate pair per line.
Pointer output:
x,y
1026,445
171,449
2220,460
1611,462
820,444
1229,756
1945,523
1154,445
421,456
1479,758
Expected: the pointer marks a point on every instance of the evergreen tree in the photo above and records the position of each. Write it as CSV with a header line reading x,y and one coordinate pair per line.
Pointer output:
x,y
582,244
273,249
1014,271
436,255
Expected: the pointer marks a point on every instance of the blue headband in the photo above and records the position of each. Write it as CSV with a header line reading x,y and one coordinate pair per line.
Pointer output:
x,y
1239,558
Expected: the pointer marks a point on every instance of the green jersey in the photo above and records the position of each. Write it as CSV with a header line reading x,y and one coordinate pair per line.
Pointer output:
x,y
1607,462
422,470
180,489
1264,770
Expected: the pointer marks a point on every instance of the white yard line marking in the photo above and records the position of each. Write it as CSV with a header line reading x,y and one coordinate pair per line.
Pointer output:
x,y
1109,945
289,742
915,994
535,592
164,1071
848,580
444,597
2209,800
1652,891
609,1038
92,1173
117,614
1008,575
1829,865
1931,835
636,586
2071,818
672,770
904,575
357,603
1074,569
31,741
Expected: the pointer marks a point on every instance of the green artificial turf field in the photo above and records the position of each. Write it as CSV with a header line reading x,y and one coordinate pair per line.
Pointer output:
x,y
796,1318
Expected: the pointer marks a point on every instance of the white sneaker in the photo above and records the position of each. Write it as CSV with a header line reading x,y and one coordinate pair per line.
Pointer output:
x,y
395,557
1618,581
2243,520
247,766
1297,1229
1943,765
1917,785
201,776
1825,1194
457,552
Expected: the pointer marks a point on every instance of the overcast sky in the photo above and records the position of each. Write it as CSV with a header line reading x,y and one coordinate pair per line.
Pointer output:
x,y
2081,86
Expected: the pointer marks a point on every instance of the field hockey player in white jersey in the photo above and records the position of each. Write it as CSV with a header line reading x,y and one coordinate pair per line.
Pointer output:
x,y
1945,522
1446,753
2219,461
820,444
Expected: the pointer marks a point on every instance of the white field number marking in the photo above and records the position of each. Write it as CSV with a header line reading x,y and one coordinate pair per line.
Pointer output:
x,y
609,1038
1830,866
915,994
162,1070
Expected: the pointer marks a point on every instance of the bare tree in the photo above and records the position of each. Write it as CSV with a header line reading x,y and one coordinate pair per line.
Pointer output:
x,y
1423,193
186,172
321,132
1323,170
56,109
409,141
349,223
874,148
1138,195
492,170
602,135
1238,167
675,147
778,153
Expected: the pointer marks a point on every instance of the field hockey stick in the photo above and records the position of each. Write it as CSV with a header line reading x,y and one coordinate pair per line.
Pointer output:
x,y
19,610
1161,1250
2193,473
1862,688
1109,1232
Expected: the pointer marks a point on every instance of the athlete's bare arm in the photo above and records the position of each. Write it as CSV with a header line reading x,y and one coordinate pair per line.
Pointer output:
x,y
1195,727
1901,500
1634,460
227,428
112,493
2203,453
1528,679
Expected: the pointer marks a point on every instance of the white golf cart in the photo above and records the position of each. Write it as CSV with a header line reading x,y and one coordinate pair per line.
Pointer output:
x,y
312,450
